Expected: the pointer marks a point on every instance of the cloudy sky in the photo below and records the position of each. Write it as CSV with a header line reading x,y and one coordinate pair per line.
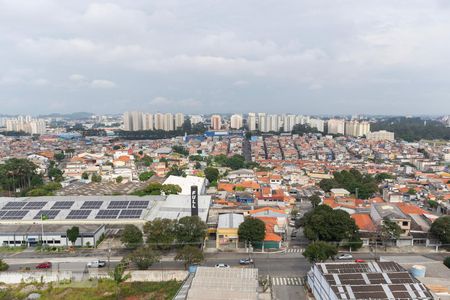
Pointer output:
x,y
203,56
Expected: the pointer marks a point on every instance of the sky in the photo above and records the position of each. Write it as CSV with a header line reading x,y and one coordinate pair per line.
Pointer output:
x,y
206,56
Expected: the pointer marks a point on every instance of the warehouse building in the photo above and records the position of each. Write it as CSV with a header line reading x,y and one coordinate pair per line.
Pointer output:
x,y
371,280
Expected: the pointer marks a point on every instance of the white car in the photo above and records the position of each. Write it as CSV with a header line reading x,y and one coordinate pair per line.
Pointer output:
x,y
222,266
96,264
345,256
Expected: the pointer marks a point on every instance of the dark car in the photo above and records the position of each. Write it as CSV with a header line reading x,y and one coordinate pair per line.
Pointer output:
x,y
44,265
245,261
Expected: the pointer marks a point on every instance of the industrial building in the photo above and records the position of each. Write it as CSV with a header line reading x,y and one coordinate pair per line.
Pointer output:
x,y
371,280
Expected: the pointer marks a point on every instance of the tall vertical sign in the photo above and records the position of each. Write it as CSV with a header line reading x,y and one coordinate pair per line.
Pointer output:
x,y
194,200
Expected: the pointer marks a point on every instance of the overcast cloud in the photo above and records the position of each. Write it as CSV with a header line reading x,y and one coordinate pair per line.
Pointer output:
x,y
310,57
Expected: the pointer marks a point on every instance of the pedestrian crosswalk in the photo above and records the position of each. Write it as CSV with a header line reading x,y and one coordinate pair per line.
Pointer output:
x,y
287,281
295,250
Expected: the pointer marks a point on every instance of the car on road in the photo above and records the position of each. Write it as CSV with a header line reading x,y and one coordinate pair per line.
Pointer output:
x,y
345,256
96,264
222,266
245,261
292,223
294,233
359,260
44,265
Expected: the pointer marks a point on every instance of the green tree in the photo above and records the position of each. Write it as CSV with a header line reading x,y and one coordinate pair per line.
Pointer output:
x,y
131,236
319,251
19,173
315,200
411,191
252,230
294,213
85,176
59,156
3,266
96,178
189,255
144,257
441,229
447,262
190,230
212,174
180,150
160,233
144,176
390,231
176,171
171,189
327,184
72,234
119,179
54,174
119,276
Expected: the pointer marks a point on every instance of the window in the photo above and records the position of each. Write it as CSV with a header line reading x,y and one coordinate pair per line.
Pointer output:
x,y
405,223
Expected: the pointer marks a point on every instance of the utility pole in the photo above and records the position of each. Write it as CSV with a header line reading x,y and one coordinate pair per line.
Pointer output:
x,y
109,255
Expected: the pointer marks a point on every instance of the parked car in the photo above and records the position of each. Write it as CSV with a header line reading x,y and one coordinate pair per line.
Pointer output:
x,y
294,233
44,265
96,264
245,261
222,266
345,256
292,223
359,260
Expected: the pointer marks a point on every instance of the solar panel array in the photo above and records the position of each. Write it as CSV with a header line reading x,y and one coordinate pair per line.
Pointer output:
x,y
78,214
63,205
128,204
130,214
14,214
91,205
107,214
14,205
49,214
138,204
34,205
118,204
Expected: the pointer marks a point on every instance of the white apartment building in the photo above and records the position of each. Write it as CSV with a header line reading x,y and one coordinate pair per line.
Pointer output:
x,y
262,122
159,121
336,126
147,120
251,121
236,121
26,124
381,135
195,119
272,123
357,128
289,122
168,122
216,122
319,124
179,120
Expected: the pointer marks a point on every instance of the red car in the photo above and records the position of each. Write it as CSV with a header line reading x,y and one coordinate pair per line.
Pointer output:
x,y
360,260
45,265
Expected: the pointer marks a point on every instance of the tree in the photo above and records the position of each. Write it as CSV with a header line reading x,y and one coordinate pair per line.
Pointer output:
x,y
3,266
171,189
212,174
190,230
190,255
85,176
131,236
356,183
144,176
54,174
319,251
252,230
119,179
411,191
160,233
327,184
326,224
19,173
441,229
72,234
59,156
294,213
176,171
144,257
390,230
447,262
96,178
180,150
119,276
315,200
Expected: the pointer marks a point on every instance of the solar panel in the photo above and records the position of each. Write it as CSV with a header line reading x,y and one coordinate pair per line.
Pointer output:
x,y
49,214
138,204
2,212
14,214
35,205
62,205
107,214
91,205
14,205
78,214
118,204
130,214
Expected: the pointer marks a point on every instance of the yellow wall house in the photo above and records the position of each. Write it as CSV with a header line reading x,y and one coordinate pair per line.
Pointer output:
x,y
227,231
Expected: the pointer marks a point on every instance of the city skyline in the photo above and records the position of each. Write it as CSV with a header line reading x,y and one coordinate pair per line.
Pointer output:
x,y
319,58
